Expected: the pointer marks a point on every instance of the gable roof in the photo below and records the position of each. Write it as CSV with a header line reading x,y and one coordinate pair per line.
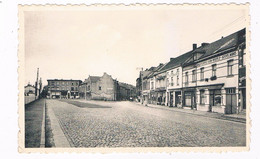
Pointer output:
x,y
225,43
94,78
175,62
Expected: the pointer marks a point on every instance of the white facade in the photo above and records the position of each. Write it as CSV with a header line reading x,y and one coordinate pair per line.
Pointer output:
x,y
174,85
213,94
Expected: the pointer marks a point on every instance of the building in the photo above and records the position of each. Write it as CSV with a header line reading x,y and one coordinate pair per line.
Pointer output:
x,y
29,90
174,77
60,88
106,88
210,78
126,91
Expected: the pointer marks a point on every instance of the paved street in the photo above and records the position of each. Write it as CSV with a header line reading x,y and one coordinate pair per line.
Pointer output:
x,y
127,124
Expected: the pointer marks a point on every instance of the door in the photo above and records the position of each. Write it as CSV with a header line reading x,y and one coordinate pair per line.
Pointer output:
x,y
231,101
171,99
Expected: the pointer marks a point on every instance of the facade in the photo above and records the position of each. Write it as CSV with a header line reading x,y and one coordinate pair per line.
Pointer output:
x,y
99,88
106,88
210,78
29,90
60,88
174,78
126,91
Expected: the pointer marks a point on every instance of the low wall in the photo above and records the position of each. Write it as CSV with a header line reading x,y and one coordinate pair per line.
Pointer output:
x,y
29,99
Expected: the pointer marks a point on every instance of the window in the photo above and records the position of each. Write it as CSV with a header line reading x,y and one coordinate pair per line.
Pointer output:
x,y
88,87
177,80
171,72
229,68
152,85
177,71
202,73
193,75
214,70
99,88
171,81
72,88
202,97
215,97
186,77
72,83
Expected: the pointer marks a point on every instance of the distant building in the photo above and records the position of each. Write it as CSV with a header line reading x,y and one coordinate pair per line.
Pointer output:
x,y
29,90
59,88
99,88
105,88
126,91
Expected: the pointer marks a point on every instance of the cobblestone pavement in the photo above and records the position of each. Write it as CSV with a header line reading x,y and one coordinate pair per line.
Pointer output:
x,y
126,124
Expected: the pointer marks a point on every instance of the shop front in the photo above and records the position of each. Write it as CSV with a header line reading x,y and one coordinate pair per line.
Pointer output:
x,y
211,98
189,98
161,97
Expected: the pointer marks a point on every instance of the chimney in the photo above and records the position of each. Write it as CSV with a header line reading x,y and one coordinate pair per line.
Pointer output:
x,y
171,59
204,44
194,46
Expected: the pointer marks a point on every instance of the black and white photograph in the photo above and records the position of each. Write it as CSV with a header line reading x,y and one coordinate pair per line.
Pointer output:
x,y
140,76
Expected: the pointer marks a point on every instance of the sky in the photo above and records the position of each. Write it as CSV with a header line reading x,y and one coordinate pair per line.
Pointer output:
x,y
73,44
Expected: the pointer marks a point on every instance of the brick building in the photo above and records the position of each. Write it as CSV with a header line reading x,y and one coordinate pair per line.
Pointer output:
x,y
60,88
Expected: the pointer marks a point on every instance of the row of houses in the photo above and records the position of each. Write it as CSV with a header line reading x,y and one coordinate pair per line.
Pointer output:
x,y
211,77
93,88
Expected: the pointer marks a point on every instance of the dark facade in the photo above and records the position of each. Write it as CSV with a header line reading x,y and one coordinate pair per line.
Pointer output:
x,y
59,88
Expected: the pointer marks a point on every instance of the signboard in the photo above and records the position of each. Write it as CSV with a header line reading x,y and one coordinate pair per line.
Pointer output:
x,y
218,58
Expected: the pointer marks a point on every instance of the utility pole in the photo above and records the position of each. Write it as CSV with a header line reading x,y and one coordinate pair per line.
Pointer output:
x,y
36,83
40,87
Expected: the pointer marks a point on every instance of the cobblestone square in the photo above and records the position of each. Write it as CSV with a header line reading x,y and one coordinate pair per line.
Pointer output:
x,y
127,124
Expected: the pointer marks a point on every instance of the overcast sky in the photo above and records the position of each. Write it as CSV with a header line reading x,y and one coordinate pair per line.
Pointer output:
x,y
76,44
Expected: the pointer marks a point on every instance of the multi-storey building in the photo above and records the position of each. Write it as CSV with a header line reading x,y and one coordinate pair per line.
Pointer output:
x,y
106,88
212,75
174,78
210,78
60,88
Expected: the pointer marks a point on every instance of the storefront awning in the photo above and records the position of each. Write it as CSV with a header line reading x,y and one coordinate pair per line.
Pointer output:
x,y
215,86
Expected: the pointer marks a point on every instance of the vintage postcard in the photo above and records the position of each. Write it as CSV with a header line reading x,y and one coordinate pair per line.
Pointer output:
x,y
136,78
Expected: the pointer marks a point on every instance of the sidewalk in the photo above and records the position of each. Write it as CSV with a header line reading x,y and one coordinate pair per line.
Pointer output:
x,y
232,117
34,114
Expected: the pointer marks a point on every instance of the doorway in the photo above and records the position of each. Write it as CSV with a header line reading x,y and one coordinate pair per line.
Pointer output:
x,y
231,101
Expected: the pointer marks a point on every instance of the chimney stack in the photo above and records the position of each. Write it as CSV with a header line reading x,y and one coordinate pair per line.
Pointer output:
x,y
194,46
204,44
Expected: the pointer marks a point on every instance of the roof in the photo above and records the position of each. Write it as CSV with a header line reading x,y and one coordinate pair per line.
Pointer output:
x,y
155,70
228,42
94,78
29,86
175,62
62,80
125,85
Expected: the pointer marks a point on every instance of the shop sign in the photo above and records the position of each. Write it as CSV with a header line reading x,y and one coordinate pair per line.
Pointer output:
x,y
218,58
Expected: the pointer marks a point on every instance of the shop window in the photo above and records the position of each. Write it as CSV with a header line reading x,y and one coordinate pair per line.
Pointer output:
x,y
202,73
215,97
214,70
194,76
229,68
187,97
202,97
